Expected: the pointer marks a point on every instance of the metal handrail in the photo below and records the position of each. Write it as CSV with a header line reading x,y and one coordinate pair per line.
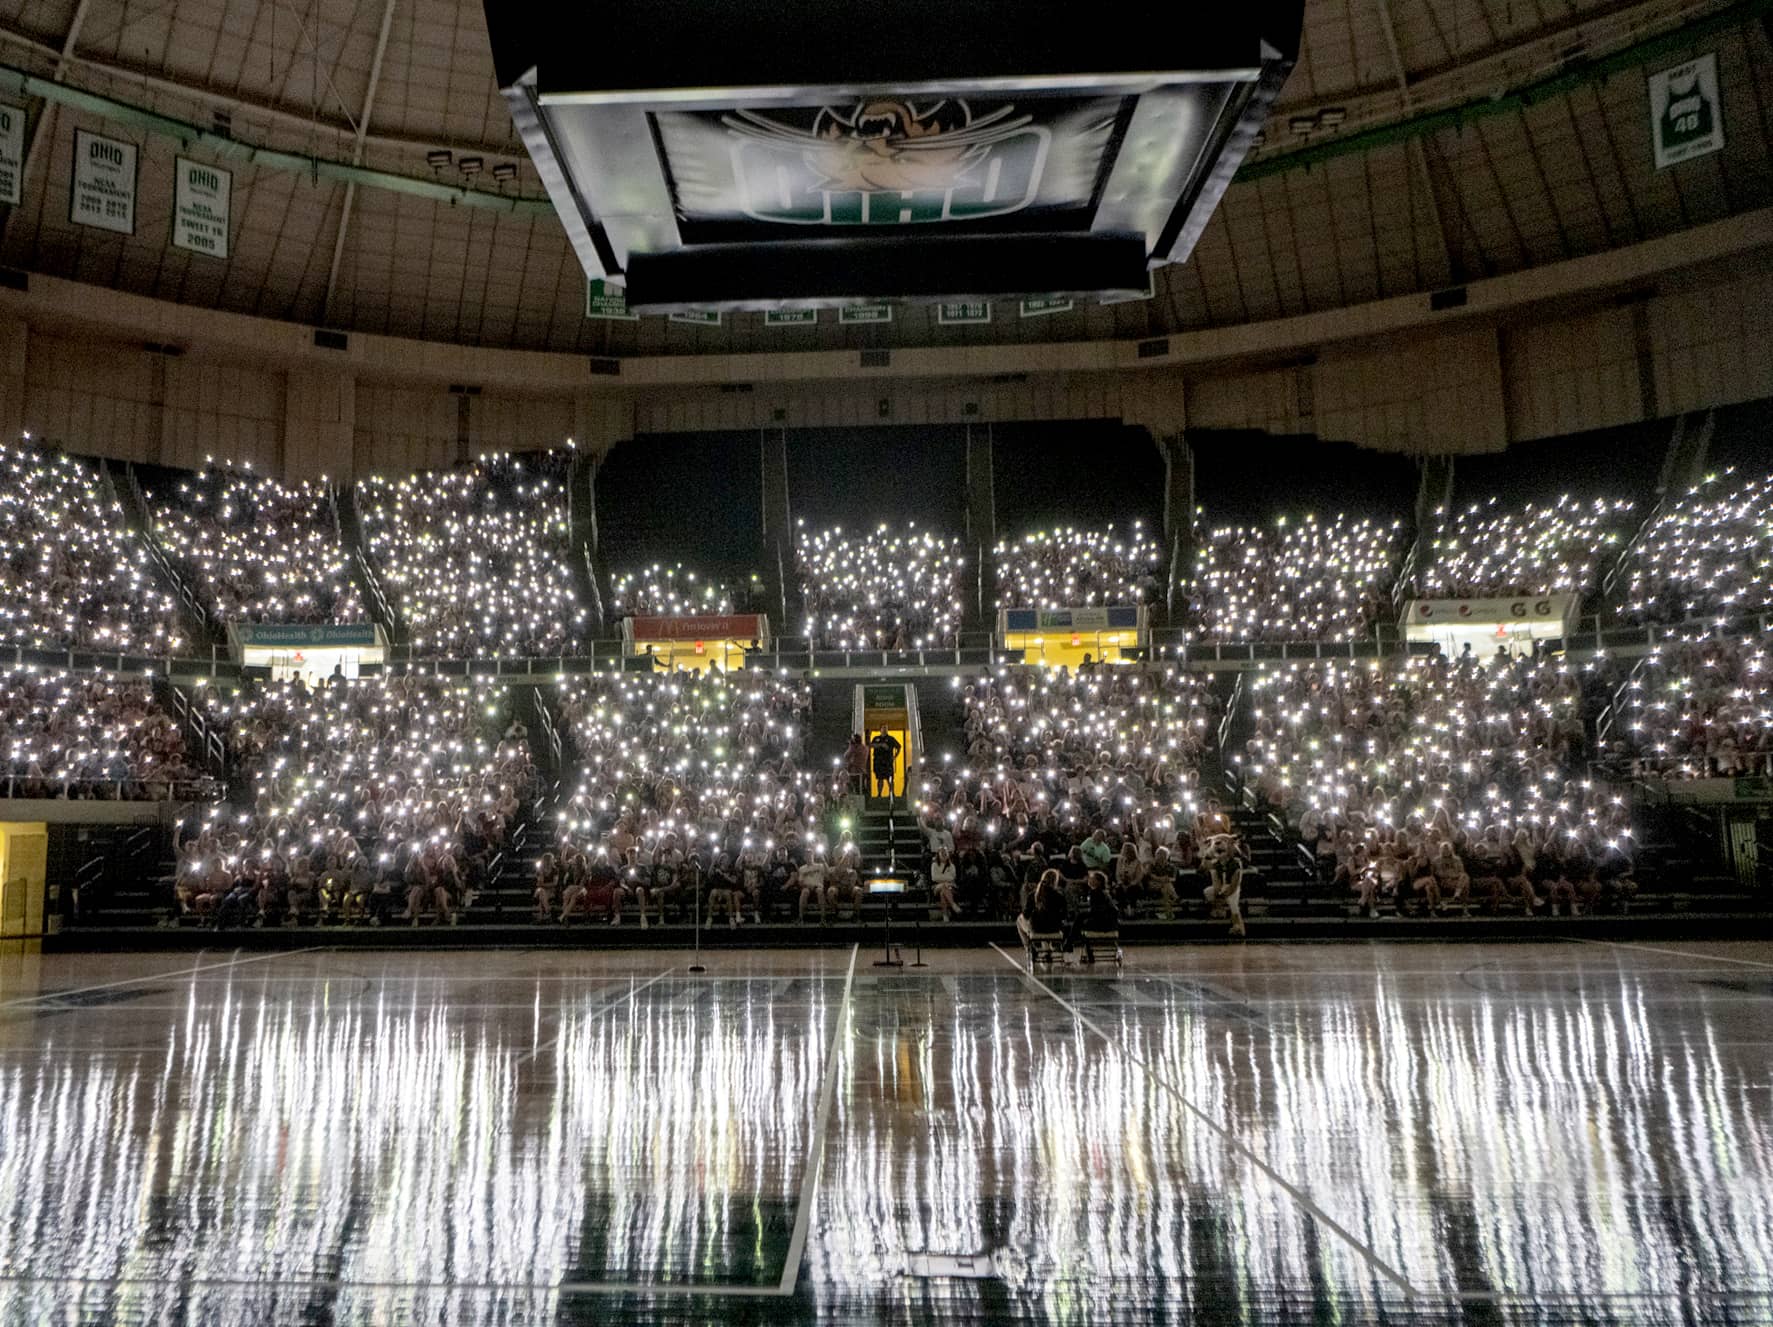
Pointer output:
x,y
204,788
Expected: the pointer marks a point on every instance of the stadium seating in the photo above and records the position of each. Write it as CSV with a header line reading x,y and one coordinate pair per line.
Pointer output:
x,y
478,560
1069,567
1295,580
1710,552
1701,708
91,735
1490,549
888,589
668,591
256,550
70,575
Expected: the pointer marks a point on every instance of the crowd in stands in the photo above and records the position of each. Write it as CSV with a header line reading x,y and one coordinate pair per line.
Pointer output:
x,y
478,560
668,591
373,799
1709,553
1438,782
1701,708
70,574
256,550
888,589
91,735
692,796
1069,567
1490,549
1297,579
1069,776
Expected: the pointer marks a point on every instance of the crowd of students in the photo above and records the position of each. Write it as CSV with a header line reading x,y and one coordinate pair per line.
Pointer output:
x,y
257,550
1078,796
1494,549
693,797
1069,567
1701,708
71,575
1295,580
478,561
1708,553
662,590
91,735
886,589
1437,783
374,800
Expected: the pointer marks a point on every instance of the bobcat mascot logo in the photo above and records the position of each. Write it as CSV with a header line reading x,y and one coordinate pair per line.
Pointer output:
x,y
887,161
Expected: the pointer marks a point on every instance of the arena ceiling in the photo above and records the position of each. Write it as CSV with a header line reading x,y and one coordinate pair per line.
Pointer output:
x,y
1365,185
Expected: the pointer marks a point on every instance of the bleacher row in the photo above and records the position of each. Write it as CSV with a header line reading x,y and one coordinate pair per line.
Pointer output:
x,y
425,799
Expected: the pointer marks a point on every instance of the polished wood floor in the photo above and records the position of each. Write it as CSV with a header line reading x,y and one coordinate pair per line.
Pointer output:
x,y
1275,1133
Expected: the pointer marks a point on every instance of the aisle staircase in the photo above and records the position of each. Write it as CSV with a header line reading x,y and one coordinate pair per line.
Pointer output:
x,y
363,571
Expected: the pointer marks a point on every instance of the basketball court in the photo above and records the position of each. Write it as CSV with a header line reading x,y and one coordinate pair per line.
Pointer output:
x,y
1310,1132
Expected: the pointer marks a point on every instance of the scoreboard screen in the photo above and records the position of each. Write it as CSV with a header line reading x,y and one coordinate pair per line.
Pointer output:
x,y
704,154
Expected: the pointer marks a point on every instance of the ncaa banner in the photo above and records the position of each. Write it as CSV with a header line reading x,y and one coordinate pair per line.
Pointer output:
x,y
1686,113
103,193
12,153
201,195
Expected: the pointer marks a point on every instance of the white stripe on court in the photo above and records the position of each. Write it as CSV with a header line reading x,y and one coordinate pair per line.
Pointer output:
x,y
1678,953
809,1184
614,998
1298,1195
159,976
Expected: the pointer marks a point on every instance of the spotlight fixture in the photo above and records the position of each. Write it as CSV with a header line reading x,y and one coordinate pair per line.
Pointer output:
x,y
438,158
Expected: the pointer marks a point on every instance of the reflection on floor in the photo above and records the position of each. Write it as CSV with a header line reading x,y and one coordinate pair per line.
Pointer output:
x,y
1326,1133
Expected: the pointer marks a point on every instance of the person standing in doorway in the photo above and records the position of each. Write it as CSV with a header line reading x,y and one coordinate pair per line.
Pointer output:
x,y
886,750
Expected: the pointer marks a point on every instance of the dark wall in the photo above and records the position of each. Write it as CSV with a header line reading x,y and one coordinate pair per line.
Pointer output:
x,y
860,477
695,498
1249,478
1623,462
1090,473
1742,436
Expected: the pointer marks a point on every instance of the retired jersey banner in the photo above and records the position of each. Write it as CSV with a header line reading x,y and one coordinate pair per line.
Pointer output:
x,y
103,192
731,626
1686,113
201,195
1520,608
12,153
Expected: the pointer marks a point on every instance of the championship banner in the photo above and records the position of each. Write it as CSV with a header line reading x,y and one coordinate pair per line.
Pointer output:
x,y
302,636
12,153
608,303
1125,618
103,192
1524,608
951,315
865,313
201,195
700,317
1686,113
789,317
1040,308
735,626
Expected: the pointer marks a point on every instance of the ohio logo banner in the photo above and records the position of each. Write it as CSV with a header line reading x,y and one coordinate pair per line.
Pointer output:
x,y
887,161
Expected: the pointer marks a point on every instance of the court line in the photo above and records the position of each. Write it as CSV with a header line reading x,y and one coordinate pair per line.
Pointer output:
x,y
613,999
1298,1195
815,1162
159,976
448,1287
1678,953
